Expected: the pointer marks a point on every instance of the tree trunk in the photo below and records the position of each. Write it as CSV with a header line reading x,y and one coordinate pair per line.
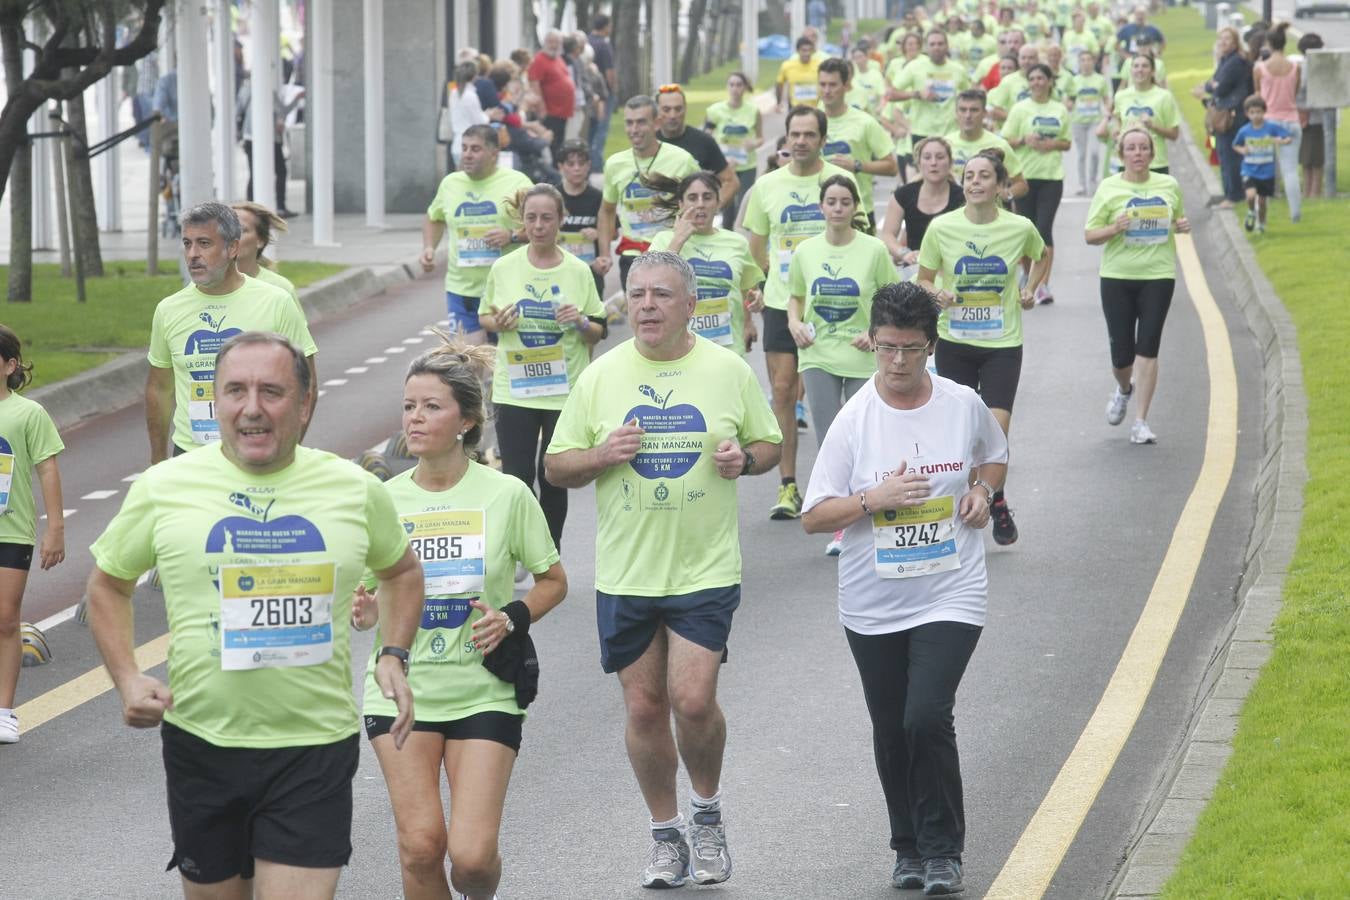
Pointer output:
x,y
583,8
20,177
689,64
81,181
627,49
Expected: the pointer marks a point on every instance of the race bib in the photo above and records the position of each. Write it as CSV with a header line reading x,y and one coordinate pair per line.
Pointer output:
x,y
736,154
276,616
1149,225
712,320
1088,109
976,315
471,247
943,89
202,410
787,245
804,93
917,540
6,479
578,246
451,547
537,371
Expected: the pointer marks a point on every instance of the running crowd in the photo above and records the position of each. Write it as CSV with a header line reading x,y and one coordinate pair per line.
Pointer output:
x,y
269,552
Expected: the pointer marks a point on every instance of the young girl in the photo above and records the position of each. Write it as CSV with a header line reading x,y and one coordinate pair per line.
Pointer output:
x,y
28,441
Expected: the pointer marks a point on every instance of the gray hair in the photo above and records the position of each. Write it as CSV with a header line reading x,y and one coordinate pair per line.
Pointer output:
x,y
638,101
669,260
211,211
253,338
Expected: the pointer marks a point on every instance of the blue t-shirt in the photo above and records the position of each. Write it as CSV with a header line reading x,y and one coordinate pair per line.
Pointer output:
x,y
1259,161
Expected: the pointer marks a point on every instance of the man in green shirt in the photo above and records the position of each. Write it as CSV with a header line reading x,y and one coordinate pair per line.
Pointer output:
x,y
190,326
857,142
259,544
931,84
972,137
1013,88
664,425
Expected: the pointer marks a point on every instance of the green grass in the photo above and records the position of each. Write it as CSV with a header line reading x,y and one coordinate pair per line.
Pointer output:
x,y
62,337
865,27
1279,823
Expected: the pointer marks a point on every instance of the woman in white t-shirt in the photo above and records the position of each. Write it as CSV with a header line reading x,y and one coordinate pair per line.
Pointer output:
x,y
908,470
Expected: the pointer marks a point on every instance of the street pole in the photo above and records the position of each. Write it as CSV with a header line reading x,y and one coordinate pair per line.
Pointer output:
x,y
264,46
58,149
373,66
222,32
319,117
750,38
110,168
663,61
152,221
196,181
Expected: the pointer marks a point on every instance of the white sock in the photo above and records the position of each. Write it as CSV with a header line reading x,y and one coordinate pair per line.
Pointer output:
x,y
6,712
677,822
702,804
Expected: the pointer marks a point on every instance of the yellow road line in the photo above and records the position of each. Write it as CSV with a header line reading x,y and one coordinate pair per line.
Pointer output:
x,y
61,700
1038,853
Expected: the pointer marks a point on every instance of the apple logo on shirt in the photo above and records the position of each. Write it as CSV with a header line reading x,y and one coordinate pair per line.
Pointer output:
x,y
980,273
836,297
206,342
476,207
259,533
674,435
804,209
705,266
537,327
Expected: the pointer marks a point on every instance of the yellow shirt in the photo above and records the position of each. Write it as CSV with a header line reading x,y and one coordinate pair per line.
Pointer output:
x,y
800,79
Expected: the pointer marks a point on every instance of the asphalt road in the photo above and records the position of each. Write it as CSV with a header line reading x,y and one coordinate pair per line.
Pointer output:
x,y
85,814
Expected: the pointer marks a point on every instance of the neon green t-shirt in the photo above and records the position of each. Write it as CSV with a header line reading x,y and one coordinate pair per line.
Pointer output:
x,y
858,135
469,539
979,264
733,127
963,151
904,145
974,50
725,271
945,81
470,209
1035,26
1050,120
539,360
1089,93
785,208
1076,43
836,284
1104,30
867,90
1148,247
1131,107
258,573
1009,91
272,277
639,218
28,436
667,522
188,329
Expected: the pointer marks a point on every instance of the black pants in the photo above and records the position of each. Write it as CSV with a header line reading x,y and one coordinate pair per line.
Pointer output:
x,y
559,128
1135,311
909,682
1039,204
279,163
523,434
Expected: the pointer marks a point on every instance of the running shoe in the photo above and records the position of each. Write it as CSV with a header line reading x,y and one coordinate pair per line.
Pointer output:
x,y
941,876
9,729
1140,433
801,416
1260,227
709,860
1250,222
1005,530
668,866
908,874
1115,407
1043,295
836,544
789,505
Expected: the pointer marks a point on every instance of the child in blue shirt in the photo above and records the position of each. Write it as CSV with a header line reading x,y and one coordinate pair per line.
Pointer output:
x,y
1255,142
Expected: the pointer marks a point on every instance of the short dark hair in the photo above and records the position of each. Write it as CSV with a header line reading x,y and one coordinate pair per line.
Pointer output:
x,y
600,22
842,68
804,40
1255,101
994,156
485,133
822,121
904,305
975,95
571,148
11,348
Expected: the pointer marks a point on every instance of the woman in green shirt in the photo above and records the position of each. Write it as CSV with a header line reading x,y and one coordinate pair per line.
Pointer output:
x,y
1136,216
1143,103
1038,130
469,525
739,130
256,223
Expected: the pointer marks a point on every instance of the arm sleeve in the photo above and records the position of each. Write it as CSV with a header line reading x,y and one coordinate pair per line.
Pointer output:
x,y
531,542
832,471
387,538
572,431
930,251
44,441
1098,212
989,444
756,216
436,211
796,277
877,141
883,270
159,354
757,422
610,193
293,325
126,548
1034,248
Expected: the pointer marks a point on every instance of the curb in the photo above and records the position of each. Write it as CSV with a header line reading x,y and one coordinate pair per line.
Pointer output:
x,y
120,383
1247,642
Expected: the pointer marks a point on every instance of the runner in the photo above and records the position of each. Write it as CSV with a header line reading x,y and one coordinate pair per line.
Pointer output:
x,y
977,250
29,443
1257,142
1149,106
972,137
1090,108
624,195
664,425
470,526
544,309
259,544
1013,88
671,108
857,142
1136,216
1038,130
739,130
256,224
914,205
582,200
867,87
1078,40
911,626
931,84
830,285
796,81
783,210
190,326
728,277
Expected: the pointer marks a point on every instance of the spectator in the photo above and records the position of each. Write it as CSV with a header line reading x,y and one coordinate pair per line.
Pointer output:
x,y
1277,79
1138,33
244,123
817,14
466,109
1228,88
604,61
550,78
1312,153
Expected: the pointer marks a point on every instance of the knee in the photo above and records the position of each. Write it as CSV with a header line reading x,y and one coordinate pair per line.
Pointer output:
x,y
9,623
696,705
926,721
422,850
474,863
646,710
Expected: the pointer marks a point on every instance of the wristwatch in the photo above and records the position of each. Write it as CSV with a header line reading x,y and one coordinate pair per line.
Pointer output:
x,y
749,462
980,482
857,166
397,653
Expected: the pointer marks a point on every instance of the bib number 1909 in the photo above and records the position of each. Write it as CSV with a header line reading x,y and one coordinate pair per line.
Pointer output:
x,y
272,611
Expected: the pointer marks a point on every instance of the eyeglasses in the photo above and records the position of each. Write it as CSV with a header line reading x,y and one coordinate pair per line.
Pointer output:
x,y
670,89
911,352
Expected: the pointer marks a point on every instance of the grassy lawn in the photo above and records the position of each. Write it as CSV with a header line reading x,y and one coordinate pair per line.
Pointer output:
x,y
1279,823
61,337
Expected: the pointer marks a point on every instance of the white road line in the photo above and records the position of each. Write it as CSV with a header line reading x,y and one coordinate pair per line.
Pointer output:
x,y
65,513
132,477
395,349
376,360
68,613
427,331
335,382
444,323
412,340
98,495
322,392
356,370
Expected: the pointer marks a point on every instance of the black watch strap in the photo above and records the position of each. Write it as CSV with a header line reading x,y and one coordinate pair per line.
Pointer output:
x,y
398,653
749,461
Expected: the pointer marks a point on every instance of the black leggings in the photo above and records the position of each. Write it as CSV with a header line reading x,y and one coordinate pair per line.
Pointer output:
x,y
1135,311
523,434
909,681
1039,204
992,372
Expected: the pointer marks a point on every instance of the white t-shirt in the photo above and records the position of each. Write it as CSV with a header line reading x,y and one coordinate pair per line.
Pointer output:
x,y
947,436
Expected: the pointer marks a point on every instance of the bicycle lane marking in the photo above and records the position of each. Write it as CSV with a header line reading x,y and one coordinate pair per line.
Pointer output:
x,y
1036,857
83,688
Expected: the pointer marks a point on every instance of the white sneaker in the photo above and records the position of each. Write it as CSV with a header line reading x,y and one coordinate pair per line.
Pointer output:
x,y
1140,433
1115,407
9,729
836,544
